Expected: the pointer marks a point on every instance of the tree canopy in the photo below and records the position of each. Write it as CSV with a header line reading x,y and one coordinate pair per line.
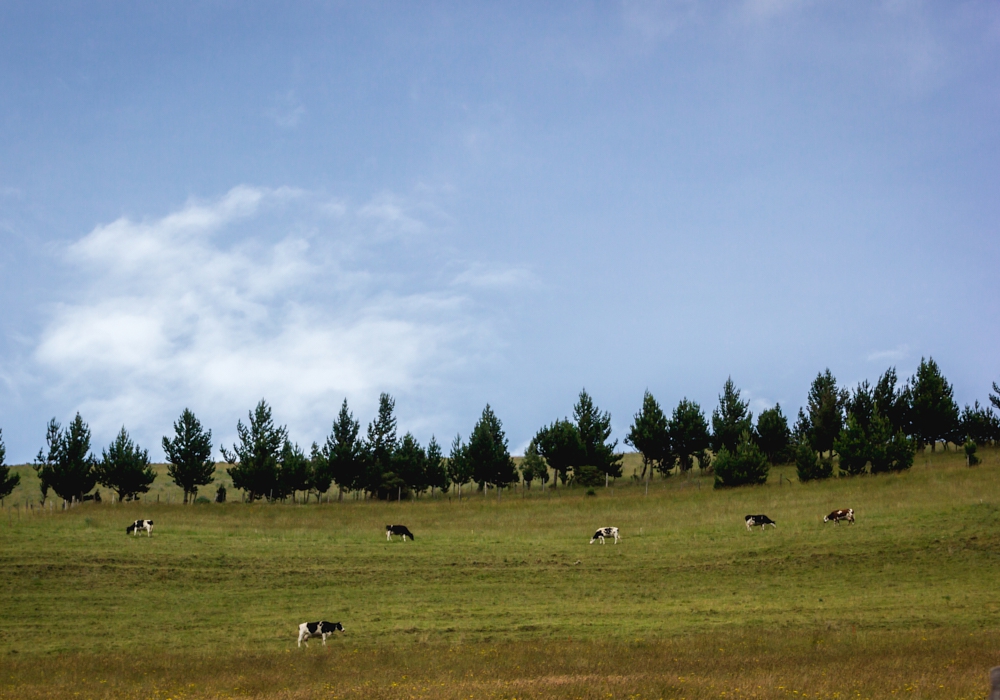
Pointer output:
x,y
649,434
594,428
934,414
730,419
189,455
826,411
68,467
773,434
124,468
688,433
8,481
488,454
256,457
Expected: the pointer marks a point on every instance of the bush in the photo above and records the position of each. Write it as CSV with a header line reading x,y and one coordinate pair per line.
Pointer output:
x,y
970,452
808,466
853,448
747,465
588,476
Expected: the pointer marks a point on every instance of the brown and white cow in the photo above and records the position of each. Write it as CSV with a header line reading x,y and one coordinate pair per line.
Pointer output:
x,y
841,514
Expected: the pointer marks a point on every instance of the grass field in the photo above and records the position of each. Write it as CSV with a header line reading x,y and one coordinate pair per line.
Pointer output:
x,y
508,600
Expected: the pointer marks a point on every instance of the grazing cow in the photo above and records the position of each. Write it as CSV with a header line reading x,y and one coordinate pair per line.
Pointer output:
x,y
400,530
134,528
318,629
841,514
762,520
605,532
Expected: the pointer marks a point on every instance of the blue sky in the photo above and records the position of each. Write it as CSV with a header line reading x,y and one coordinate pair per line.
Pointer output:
x,y
205,204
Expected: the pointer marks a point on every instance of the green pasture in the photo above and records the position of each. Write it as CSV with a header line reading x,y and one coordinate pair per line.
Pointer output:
x,y
512,593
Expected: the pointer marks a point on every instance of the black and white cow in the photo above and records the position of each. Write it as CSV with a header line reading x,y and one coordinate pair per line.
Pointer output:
x,y
400,530
318,629
762,520
841,514
134,528
605,532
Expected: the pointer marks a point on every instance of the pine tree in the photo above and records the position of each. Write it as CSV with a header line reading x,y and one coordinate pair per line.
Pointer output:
x,y
189,455
488,454
68,468
346,453
320,473
255,459
459,466
933,413
124,468
380,444
746,466
826,411
533,465
688,432
562,448
8,481
294,473
650,435
436,471
808,466
773,434
409,463
892,402
979,423
731,419
595,430
853,447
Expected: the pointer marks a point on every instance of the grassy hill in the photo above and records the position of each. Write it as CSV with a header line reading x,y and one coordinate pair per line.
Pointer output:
x,y
509,600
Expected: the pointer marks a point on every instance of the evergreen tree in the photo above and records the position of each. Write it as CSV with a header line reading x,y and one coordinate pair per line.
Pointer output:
x,y
808,465
803,427
488,453
562,448
826,411
595,430
933,412
731,419
979,424
746,466
773,434
8,481
459,467
853,447
189,455
436,471
649,434
409,463
68,468
294,472
890,451
861,405
124,468
995,398
380,444
688,431
533,465
256,458
892,402
320,473
346,453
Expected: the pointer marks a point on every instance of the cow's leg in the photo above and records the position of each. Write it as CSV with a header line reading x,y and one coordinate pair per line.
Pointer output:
x,y
324,639
388,535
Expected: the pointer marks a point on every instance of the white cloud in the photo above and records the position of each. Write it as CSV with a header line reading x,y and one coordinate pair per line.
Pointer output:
x,y
900,352
170,315
654,20
288,111
487,277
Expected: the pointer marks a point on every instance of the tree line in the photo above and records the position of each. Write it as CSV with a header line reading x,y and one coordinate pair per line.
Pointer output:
x,y
870,429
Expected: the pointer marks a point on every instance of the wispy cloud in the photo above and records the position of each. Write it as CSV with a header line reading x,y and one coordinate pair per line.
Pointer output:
x,y
655,20
288,110
900,352
169,315
492,277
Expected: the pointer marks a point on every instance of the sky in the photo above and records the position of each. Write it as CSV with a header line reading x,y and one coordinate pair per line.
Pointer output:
x,y
206,204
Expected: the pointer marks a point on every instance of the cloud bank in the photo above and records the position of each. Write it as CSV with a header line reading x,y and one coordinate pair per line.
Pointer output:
x,y
257,294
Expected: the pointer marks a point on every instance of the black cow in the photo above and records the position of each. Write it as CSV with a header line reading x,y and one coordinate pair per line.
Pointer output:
x,y
400,530
762,520
134,528
841,514
318,629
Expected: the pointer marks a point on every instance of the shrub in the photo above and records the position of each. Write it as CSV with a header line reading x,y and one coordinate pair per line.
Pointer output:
x,y
588,476
746,465
970,452
808,466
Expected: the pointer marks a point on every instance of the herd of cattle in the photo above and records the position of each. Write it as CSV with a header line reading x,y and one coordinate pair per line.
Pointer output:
x,y
324,629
